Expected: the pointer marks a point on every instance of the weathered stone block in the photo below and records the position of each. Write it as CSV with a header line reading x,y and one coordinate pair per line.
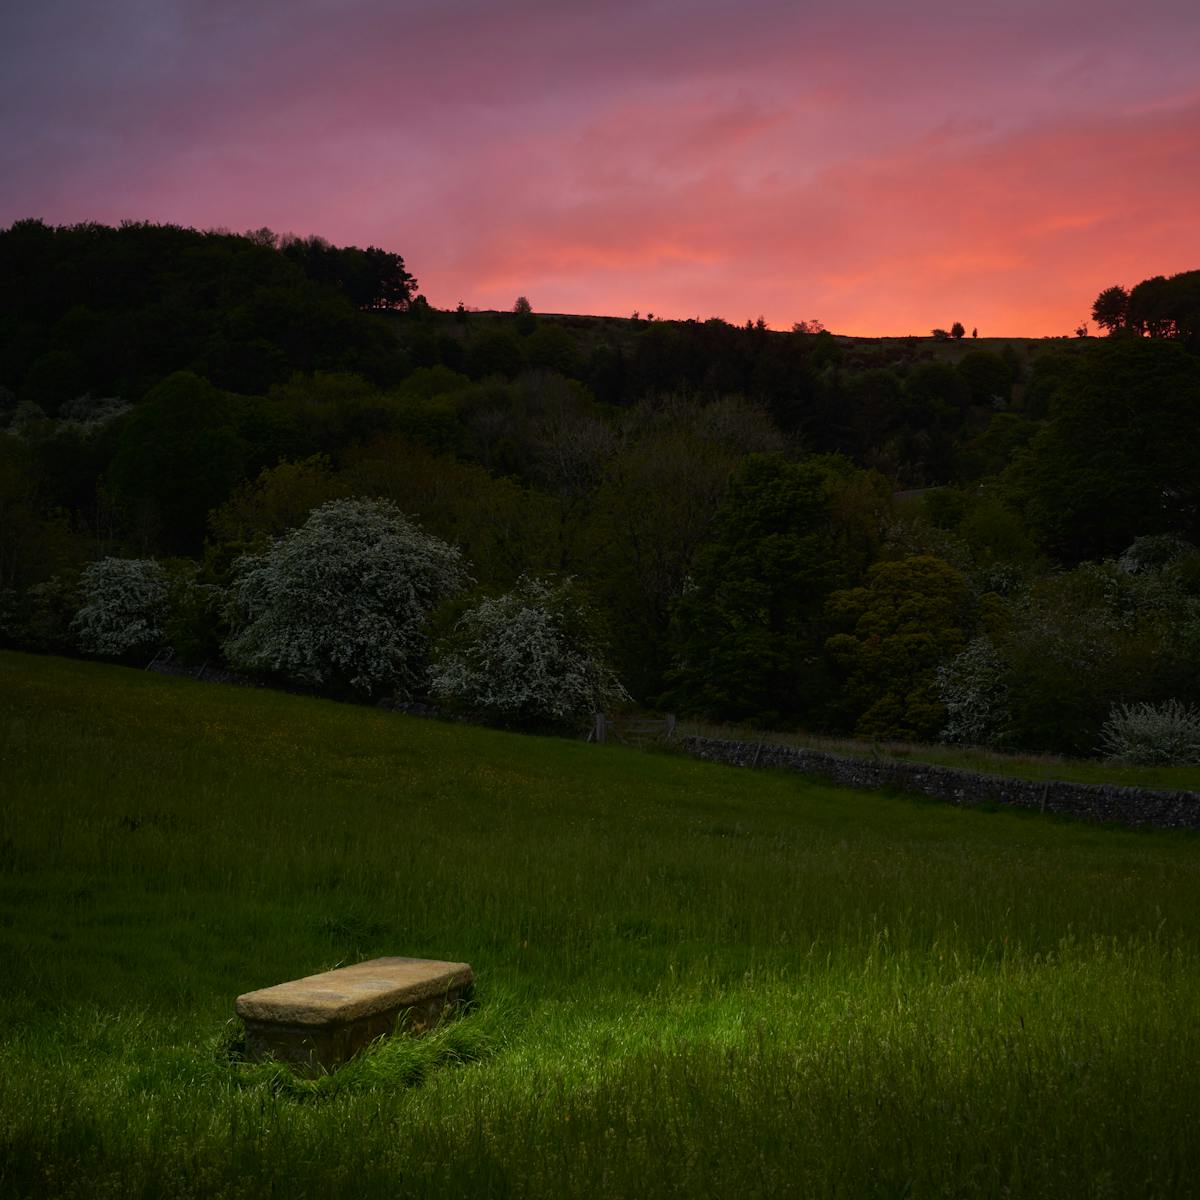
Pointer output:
x,y
316,1023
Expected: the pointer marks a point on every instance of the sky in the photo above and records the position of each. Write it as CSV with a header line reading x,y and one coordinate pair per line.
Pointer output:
x,y
882,166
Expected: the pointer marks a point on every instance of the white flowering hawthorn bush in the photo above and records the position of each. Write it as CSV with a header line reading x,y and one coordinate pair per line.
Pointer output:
x,y
1166,734
343,601
974,693
124,607
525,658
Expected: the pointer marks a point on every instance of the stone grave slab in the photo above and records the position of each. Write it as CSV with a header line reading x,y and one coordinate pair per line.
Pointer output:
x,y
316,1023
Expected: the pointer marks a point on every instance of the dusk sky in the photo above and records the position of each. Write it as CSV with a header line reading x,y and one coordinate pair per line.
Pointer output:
x,y
885,167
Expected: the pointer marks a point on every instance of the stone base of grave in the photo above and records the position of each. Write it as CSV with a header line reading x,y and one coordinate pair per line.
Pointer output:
x,y
315,1024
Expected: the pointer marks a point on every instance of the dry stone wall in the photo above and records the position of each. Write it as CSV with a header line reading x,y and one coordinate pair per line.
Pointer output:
x,y
1086,801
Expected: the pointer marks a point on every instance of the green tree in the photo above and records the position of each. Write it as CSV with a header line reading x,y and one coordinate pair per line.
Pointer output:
x,y
497,353
35,541
897,629
504,528
747,631
279,499
654,508
1117,457
550,347
935,395
179,455
987,376
1061,653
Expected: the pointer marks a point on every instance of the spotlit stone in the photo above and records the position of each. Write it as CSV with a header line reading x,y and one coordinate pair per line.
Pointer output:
x,y
318,1022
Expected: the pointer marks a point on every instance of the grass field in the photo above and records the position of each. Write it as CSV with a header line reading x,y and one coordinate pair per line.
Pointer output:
x,y
693,981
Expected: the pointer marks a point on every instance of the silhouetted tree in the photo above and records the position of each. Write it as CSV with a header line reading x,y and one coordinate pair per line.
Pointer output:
x,y
1111,309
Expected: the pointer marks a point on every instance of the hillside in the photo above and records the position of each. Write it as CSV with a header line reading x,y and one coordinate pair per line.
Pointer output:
x,y
693,981
988,541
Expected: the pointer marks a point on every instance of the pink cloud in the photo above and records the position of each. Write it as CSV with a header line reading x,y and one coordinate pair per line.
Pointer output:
x,y
1022,228
886,168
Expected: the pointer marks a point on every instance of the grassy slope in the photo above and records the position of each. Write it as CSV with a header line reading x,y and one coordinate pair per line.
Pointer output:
x,y
694,981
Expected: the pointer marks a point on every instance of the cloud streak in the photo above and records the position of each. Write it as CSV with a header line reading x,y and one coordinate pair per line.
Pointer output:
x,y
885,169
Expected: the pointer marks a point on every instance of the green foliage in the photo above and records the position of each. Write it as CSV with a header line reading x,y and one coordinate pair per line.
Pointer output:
x,y
42,617
934,394
652,510
551,348
53,380
988,378
1115,461
279,499
158,385
498,353
873,397
746,631
34,542
178,456
1091,638
991,451
898,628
197,615
502,527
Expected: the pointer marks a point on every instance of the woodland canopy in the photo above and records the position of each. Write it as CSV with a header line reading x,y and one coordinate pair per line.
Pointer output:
x,y
785,528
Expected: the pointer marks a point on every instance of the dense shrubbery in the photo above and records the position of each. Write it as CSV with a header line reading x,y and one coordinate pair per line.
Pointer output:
x,y
973,691
343,601
1165,734
529,657
124,607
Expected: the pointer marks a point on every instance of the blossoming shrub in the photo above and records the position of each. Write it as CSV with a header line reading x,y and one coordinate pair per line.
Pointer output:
x,y
342,602
124,607
1166,734
525,658
973,689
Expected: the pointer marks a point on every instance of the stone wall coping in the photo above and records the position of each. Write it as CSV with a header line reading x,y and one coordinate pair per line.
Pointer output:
x,y
351,993
1103,802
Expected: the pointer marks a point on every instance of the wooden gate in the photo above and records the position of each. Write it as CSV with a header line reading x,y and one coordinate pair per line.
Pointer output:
x,y
632,731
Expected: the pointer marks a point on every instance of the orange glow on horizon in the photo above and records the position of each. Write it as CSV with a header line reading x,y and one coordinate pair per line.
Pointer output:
x,y
883,169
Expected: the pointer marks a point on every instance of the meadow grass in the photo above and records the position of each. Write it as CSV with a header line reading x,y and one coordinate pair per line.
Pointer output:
x,y
692,980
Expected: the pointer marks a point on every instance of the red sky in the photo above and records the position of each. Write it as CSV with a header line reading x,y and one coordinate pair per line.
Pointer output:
x,y
882,166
